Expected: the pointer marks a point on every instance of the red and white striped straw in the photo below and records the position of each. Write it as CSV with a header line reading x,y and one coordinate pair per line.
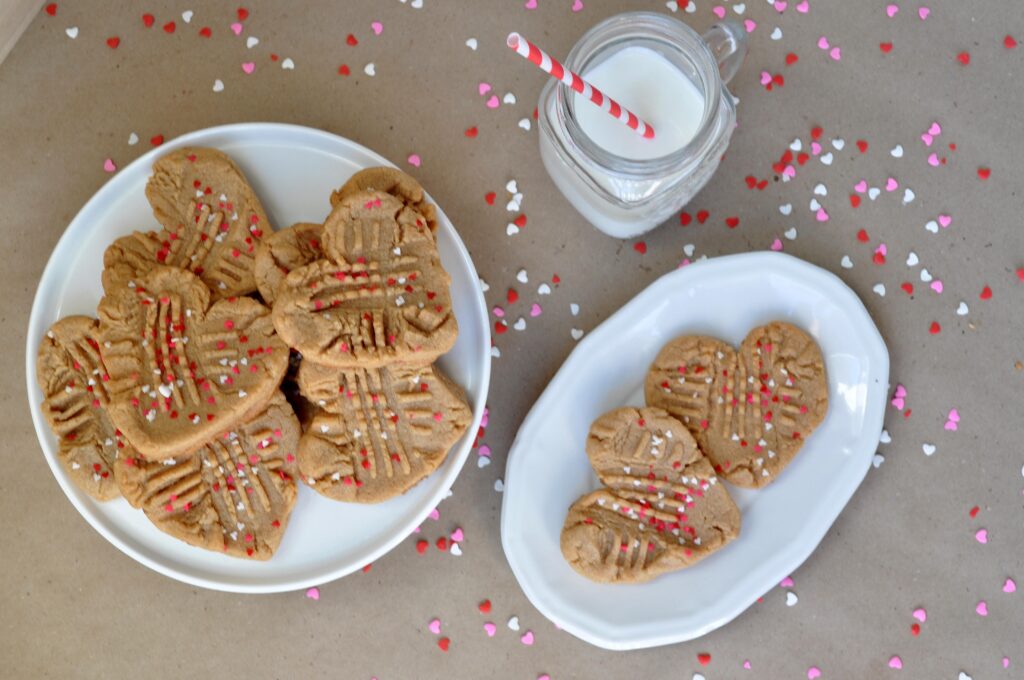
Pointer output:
x,y
552,67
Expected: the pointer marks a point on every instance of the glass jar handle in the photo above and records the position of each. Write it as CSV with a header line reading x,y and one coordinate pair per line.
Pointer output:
x,y
728,42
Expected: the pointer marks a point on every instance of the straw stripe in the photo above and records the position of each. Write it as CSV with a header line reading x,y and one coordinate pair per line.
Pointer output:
x,y
556,70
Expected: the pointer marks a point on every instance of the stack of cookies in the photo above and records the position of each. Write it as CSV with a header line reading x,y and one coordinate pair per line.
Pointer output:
x,y
177,396
712,411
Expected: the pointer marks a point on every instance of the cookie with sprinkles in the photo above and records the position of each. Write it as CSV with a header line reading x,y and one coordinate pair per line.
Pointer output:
x,y
212,224
379,297
74,383
379,431
283,251
181,370
750,410
662,507
393,181
233,495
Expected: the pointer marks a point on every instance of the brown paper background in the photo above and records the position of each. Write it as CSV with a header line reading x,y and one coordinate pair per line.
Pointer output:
x,y
74,606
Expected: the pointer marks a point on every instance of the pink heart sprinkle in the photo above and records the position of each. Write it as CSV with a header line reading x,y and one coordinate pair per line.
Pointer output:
x,y
813,672
434,515
776,245
484,451
789,171
414,159
901,391
933,160
577,6
898,403
531,4
836,53
718,11
860,187
891,184
750,25
982,608
249,66
236,28
780,6
936,285
493,102
490,629
313,593
377,27
746,664
786,582
803,7
108,165
935,129
544,677
896,662
891,10
1010,586
535,309
815,148
821,215
483,421
498,312
766,77
981,536
945,220
527,638
457,535
823,43
884,251
927,139
435,626
923,12
1006,662
920,614
483,88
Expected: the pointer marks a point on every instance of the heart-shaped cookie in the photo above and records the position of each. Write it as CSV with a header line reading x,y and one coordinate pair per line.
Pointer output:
x,y
380,297
283,251
180,370
661,507
212,223
74,383
234,494
392,181
750,410
380,431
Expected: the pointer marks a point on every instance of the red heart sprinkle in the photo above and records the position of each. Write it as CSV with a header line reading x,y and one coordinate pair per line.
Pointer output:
x,y
156,140
732,222
113,42
51,9
243,14
685,218
751,181
983,173
964,58
816,133
791,59
444,643
704,659
421,546
500,327
640,247
878,258
205,32
1020,274
802,157
885,47
273,56
702,216
147,20
169,27
520,221
915,629
986,293
1009,42
555,280
855,200
862,236
369,566
484,607
935,328
442,544
489,197
907,287
862,145
974,511
344,70
471,132
512,296
351,40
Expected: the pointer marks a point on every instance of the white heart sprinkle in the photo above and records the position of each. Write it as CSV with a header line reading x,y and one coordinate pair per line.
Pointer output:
x,y
133,139
522,277
370,69
574,309
879,289
873,193
511,229
218,85
796,145
791,598
820,190
688,249
912,259
512,187
961,310
786,209
672,5
827,158
838,144
484,286
576,333
691,7
543,289
964,676
456,550
928,449
926,276
525,124
288,64
252,41
514,204
483,461
932,226
698,676
885,437
846,262
814,205
471,44
509,98
776,34
790,233
897,151
877,460
495,353
499,485
72,32
513,623
908,196
416,4
520,324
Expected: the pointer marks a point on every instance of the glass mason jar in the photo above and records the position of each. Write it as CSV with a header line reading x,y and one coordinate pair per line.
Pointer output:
x,y
624,197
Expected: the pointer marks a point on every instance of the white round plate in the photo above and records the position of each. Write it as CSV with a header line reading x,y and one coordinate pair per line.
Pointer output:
x,y
782,523
293,170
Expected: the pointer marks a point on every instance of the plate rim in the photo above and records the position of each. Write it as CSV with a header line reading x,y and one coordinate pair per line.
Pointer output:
x,y
107,192
813,532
